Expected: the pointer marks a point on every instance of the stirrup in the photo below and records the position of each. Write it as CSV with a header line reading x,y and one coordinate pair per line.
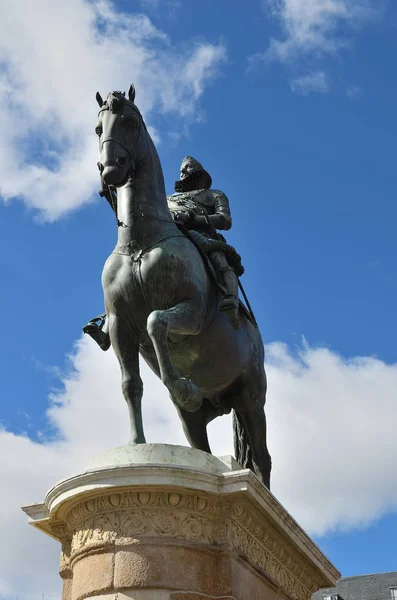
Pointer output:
x,y
94,324
94,330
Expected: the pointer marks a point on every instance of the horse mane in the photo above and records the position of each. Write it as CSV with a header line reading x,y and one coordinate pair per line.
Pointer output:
x,y
116,101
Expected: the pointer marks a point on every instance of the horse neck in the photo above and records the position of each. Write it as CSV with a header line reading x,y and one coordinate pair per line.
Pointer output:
x,y
142,208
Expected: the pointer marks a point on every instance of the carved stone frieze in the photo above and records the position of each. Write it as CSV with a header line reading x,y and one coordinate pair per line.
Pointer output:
x,y
127,500
267,552
130,515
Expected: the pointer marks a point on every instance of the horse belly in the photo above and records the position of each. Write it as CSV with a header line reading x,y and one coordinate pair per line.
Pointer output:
x,y
215,358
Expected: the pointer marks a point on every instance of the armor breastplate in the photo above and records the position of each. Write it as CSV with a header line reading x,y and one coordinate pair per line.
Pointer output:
x,y
198,201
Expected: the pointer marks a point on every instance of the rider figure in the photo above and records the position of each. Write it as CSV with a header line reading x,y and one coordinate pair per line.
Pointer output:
x,y
202,211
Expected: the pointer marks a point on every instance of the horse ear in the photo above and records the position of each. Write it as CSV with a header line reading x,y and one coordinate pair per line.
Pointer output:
x,y
131,93
99,99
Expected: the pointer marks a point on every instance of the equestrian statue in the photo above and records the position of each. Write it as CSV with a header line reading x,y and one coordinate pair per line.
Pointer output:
x,y
171,291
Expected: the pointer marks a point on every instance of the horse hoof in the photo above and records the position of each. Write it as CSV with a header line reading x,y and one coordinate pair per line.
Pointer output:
x,y
188,396
134,441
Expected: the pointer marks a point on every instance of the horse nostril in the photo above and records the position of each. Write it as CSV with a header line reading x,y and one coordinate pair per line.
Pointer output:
x,y
121,161
100,167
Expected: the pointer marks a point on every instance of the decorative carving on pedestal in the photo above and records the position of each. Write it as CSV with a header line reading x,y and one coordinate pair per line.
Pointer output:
x,y
128,514
179,530
132,515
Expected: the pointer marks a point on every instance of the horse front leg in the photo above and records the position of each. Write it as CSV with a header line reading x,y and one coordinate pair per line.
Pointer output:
x,y
126,348
185,319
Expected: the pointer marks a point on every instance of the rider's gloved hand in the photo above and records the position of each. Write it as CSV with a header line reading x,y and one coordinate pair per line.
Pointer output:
x,y
182,216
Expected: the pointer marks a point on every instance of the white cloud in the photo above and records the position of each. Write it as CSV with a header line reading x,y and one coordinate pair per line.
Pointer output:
x,y
55,56
89,415
315,26
331,435
154,5
354,91
312,82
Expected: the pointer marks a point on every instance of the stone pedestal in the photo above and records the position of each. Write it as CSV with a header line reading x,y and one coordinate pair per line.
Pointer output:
x,y
160,522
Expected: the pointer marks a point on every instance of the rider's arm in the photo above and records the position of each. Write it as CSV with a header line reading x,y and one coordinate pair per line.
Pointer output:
x,y
222,218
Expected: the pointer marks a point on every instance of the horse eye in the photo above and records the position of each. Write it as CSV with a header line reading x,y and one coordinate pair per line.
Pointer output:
x,y
98,130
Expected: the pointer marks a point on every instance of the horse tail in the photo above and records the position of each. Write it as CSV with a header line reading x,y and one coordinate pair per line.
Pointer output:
x,y
242,448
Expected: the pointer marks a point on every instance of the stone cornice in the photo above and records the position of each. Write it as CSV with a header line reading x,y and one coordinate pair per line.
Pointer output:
x,y
129,516
124,505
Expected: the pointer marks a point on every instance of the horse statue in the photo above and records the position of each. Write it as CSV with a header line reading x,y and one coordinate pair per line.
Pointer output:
x,y
161,302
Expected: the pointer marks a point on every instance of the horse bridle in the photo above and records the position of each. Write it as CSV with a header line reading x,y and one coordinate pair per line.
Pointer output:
x,y
129,152
105,187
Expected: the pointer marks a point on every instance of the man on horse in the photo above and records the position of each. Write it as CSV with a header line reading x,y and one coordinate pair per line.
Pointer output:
x,y
201,211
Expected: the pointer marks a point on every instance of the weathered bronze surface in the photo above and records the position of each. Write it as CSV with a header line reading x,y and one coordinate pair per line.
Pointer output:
x,y
203,211
160,296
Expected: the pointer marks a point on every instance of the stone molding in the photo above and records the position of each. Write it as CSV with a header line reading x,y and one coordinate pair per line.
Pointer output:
x,y
124,516
111,510
232,482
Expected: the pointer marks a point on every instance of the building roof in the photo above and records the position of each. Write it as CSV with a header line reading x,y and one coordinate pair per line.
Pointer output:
x,y
362,587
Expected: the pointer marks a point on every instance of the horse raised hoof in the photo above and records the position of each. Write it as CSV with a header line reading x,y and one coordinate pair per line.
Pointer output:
x,y
187,395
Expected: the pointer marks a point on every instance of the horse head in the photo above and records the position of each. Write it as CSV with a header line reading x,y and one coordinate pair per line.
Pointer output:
x,y
121,143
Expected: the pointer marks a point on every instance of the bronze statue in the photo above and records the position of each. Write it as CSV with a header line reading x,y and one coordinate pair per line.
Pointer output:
x,y
202,211
162,295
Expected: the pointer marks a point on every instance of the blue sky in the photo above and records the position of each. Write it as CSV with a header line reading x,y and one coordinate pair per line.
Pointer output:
x,y
291,108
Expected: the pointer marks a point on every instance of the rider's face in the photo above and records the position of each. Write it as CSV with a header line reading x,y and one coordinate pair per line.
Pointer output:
x,y
186,169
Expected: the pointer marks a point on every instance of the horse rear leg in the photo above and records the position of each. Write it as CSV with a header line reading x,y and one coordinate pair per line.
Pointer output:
x,y
195,424
257,456
184,319
250,426
195,428
126,348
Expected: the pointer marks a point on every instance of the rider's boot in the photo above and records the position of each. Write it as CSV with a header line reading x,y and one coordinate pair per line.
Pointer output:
x,y
229,304
98,329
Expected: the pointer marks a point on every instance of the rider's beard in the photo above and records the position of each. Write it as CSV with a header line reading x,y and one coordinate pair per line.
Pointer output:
x,y
198,180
